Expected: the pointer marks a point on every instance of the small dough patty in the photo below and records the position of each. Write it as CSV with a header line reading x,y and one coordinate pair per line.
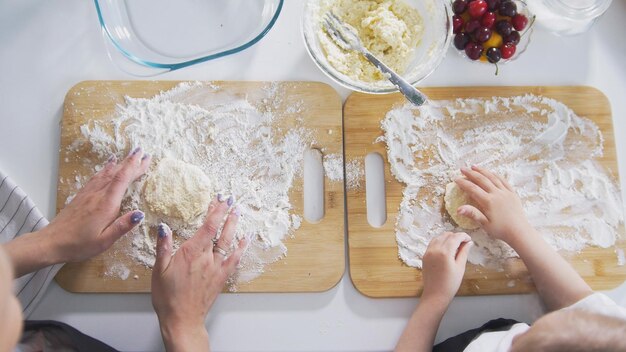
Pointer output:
x,y
177,190
454,198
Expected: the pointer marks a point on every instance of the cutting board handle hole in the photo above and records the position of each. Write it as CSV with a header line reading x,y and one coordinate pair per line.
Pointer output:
x,y
313,186
375,199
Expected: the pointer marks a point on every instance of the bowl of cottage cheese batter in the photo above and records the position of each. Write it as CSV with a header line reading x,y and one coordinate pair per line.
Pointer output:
x,y
410,36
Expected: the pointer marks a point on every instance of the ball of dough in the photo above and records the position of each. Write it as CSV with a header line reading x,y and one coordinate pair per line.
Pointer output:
x,y
177,190
454,198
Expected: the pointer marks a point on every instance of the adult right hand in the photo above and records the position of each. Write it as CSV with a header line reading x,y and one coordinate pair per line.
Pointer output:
x,y
185,285
499,210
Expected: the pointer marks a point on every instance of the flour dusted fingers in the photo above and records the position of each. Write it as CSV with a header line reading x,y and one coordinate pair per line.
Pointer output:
x,y
223,247
211,226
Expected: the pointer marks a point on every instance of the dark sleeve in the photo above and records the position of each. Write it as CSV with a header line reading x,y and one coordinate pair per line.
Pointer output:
x,y
461,341
48,335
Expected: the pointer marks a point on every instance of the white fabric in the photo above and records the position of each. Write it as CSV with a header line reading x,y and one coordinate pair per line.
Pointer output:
x,y
500,341
19,215
600,304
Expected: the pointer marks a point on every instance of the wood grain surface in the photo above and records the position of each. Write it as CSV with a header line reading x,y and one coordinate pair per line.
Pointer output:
x,y
375,268
315,260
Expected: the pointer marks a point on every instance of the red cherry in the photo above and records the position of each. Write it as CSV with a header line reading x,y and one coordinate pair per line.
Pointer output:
x,y
482,34
508,50
519,22
477,8
459,6
472,25
488,20
457,23
473,50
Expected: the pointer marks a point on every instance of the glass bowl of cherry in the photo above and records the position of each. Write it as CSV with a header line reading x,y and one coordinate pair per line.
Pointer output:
x,y
491,31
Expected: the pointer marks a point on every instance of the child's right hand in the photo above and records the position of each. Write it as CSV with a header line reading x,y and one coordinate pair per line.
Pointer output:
x,y
499,210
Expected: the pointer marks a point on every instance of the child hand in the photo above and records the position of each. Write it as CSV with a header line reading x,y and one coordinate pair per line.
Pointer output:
x,y
444,265
499,210
185,285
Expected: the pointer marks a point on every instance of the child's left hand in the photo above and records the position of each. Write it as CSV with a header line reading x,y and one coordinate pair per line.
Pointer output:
x,y
444,265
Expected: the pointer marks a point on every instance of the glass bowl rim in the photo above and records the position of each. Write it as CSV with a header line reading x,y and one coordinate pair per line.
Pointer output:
x,y
179,65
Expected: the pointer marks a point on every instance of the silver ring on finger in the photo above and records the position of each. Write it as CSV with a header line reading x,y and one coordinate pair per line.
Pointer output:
x,y
221,251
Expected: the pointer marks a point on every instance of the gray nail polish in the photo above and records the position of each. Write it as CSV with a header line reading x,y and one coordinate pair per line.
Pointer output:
x,y
135,151
112,158
145,156
136,217
162,230
220,198
230,201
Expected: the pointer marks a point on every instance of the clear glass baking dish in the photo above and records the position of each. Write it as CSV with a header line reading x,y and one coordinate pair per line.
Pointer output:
x,y
147,37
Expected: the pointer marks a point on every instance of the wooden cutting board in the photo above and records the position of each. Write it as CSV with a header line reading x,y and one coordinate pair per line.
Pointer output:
x,y
375,268
315,260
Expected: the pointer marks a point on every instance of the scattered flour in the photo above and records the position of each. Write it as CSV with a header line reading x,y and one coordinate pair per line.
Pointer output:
x,y
334,168
547,153
233,142
118,270
621,258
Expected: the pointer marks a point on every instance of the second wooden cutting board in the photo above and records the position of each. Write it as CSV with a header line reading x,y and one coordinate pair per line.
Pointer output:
x,y
375,268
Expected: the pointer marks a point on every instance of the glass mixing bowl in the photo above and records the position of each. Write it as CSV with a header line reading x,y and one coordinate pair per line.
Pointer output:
x,y
437,21
147,37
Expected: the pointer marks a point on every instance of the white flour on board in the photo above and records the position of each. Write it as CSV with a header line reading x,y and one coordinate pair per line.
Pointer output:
x,y
333,169
547,153
235,143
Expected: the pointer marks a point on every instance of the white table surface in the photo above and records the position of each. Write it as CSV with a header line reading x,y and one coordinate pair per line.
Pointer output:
x,y
48,46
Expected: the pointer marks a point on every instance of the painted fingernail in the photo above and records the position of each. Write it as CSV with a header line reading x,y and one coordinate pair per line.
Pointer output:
x,y
145,156
112,158
220,198
230,201
136,217
163,230
135,151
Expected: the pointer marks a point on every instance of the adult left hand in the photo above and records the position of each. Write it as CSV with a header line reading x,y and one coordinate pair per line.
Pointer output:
x,y
90,223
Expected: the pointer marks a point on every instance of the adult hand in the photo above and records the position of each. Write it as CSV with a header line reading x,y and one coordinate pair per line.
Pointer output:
x,y
185,285
499,210
89,224
444,265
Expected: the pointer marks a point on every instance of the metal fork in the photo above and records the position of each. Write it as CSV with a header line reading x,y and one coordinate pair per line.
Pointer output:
x,y
347,38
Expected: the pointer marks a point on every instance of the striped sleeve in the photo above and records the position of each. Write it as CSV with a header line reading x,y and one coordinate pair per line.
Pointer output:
x,y
19,215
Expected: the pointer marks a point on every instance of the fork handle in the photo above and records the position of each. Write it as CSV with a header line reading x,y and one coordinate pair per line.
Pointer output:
x,y
411,93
